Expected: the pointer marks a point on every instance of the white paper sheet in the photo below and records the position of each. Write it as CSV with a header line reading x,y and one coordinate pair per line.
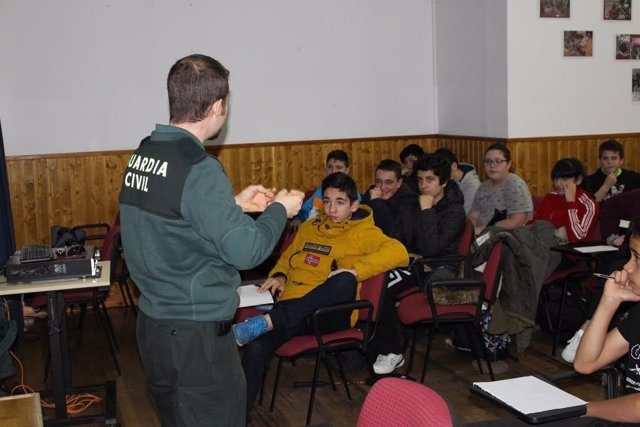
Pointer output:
x,y
596,248
249,296
529,394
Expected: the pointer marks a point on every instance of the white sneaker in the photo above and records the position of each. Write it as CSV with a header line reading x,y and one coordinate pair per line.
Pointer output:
x,y
569,352
387,363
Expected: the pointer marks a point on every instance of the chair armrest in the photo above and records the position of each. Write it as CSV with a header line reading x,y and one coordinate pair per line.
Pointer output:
x,y
341,308
418,265
101,236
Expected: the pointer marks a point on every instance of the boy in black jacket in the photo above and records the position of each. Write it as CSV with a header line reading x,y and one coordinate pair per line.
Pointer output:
x,y
437,225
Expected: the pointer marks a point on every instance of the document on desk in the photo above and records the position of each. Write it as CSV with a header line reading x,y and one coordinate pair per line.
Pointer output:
x,y
249,295
596,248
532,399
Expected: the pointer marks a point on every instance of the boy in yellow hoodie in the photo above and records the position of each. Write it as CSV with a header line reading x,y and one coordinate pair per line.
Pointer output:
x,y
328,259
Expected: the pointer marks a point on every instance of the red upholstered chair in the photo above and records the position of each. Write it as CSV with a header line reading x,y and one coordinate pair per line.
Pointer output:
x,y
400,402
422,308
332,344
111,250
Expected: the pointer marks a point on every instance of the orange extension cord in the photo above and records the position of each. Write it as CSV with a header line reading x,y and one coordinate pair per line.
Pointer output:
x,y
76,403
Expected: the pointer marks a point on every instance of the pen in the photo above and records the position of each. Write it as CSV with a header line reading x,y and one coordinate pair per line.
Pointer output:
x,y
603,276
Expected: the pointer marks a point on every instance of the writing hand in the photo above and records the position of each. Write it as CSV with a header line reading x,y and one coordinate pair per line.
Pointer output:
x,y
275,285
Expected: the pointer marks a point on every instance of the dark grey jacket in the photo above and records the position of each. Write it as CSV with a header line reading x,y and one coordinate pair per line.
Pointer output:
x,y
526,260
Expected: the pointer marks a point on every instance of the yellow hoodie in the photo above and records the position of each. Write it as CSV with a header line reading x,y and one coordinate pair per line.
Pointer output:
x,y
321,246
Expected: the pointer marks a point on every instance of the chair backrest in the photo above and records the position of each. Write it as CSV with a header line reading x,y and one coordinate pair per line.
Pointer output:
x,y
372,290
492,272
396,401
467,237
537,201
112,251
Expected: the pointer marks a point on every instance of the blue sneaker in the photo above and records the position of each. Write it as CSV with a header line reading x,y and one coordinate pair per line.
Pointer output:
x,y
250,329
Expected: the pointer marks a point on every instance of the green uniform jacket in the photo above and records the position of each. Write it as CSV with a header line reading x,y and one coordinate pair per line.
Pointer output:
x,y
184,237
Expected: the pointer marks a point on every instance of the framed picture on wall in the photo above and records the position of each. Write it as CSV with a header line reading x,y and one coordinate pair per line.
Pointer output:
x,y
628,46
578,43
555,8
635,84
617,10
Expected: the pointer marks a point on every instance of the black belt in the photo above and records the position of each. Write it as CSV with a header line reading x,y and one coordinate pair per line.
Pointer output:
x,y
223,328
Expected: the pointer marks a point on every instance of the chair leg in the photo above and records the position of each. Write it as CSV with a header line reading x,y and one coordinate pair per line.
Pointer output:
x,y
81,320
276,382
104,325
314,385
343,376
427,351
125,290
556,332
109,324
328,368
412,351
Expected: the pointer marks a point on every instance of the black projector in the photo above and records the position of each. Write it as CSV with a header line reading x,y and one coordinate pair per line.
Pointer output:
x,y
60,265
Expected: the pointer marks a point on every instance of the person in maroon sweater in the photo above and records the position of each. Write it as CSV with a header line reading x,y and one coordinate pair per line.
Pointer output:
x,y
570,208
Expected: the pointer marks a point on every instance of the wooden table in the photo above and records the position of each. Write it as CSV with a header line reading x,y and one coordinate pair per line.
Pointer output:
x,y
59,347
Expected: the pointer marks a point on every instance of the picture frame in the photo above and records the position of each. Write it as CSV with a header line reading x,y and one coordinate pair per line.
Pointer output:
x,y
628,46
616,10
635,84
578,43
555,8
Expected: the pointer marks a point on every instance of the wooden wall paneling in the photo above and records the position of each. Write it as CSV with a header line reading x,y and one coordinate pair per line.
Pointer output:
x,y
71,189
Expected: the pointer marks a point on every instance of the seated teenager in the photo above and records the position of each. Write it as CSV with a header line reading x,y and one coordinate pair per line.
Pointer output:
x,y
600,347
329,257
610,179
503,199
570,208
464,174
438,226
408,156
393,204
337,161
622,206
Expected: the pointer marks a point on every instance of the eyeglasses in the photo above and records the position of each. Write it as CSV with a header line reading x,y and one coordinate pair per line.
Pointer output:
x,y
494,162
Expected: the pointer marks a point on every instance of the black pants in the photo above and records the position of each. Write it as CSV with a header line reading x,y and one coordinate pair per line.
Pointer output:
x,y
388,337
194,375
292,318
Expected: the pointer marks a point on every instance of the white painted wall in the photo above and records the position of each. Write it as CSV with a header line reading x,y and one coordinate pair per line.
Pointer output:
x,y
550,94
78,75
471,76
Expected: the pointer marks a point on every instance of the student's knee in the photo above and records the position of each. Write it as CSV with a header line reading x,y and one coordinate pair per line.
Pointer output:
x,y
345,281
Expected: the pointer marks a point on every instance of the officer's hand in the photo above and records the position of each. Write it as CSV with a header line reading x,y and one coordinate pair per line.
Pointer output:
x,y
291,200
255,198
